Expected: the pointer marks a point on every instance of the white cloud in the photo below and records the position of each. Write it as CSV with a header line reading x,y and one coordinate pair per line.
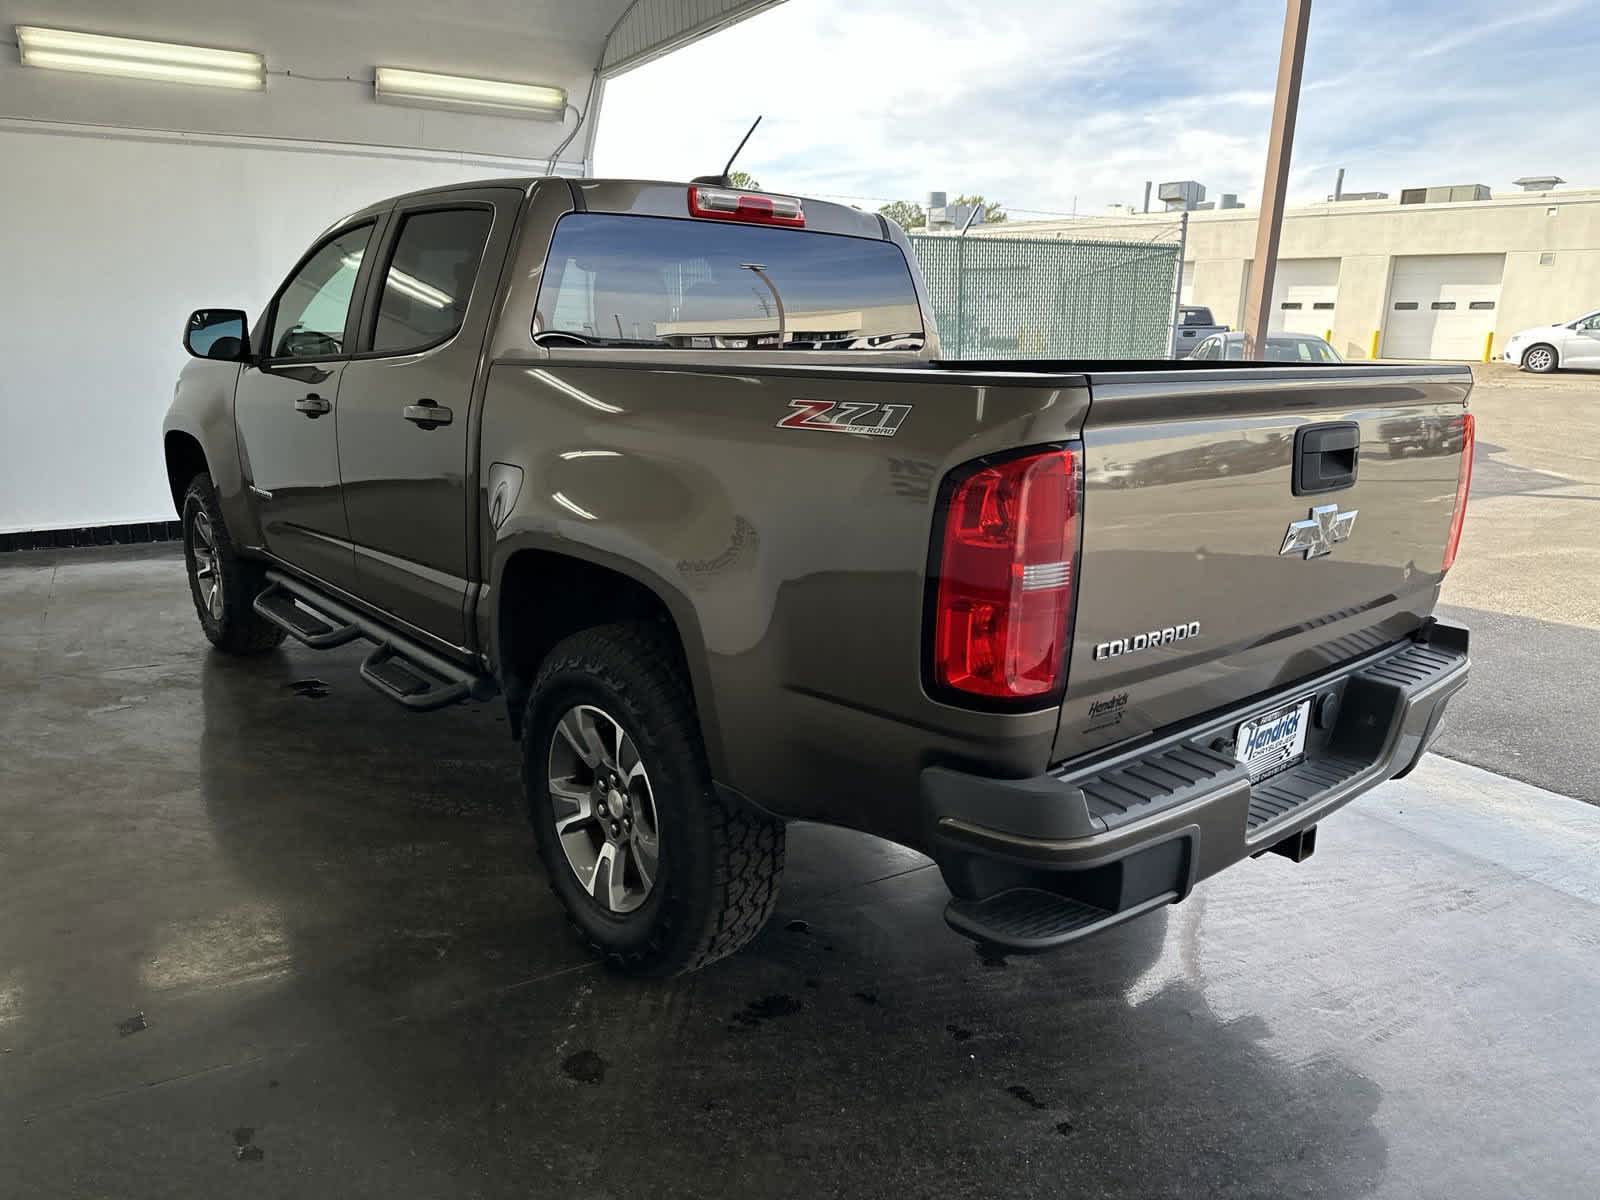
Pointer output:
x,y
1044,105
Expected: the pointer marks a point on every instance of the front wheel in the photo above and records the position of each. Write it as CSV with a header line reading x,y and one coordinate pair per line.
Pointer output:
x,y
657,872
1541,360
223,584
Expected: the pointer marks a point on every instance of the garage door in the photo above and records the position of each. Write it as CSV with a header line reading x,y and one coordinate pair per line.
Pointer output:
x,y
1442,305
1303,294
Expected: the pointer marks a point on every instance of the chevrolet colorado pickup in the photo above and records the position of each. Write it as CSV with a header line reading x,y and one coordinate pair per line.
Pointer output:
x,y
678,472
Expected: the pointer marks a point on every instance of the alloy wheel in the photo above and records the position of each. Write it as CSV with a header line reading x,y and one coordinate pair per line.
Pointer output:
x,y
605,810
207,564
1538,359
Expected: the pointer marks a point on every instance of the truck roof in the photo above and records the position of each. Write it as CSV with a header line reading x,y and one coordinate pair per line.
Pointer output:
x,y
655,198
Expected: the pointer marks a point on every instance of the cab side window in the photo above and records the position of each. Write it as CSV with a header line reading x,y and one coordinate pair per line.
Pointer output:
x,y
429,279
310,316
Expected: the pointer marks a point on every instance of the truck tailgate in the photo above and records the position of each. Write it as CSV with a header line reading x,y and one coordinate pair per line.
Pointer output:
x,y
1188,597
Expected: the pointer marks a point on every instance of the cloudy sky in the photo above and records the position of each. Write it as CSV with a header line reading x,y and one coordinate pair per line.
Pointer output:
x,y
1046,104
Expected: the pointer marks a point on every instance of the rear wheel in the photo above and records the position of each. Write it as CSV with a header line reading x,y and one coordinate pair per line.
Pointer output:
x,y
223,584
1540,359
657,872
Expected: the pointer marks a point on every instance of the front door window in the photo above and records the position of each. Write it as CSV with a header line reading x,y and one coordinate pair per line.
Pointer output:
x,y
315,304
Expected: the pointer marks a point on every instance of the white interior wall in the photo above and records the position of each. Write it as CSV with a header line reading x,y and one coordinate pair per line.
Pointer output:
x,y
125,204
108,242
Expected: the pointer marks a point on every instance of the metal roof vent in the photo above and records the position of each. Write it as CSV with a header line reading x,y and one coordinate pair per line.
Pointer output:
x,y
1183,194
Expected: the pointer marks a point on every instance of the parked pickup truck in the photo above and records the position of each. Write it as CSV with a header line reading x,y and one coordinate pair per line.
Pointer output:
x,y
1193,326
678,472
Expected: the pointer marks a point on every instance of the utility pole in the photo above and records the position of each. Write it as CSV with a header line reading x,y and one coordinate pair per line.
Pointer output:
x,y
1280,147
759,270
1177,283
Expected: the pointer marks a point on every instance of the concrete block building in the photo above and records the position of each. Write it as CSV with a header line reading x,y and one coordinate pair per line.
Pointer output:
x,y
1428,276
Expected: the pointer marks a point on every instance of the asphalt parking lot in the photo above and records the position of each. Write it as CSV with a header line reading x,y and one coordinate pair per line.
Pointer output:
x,y
1528,583
260,938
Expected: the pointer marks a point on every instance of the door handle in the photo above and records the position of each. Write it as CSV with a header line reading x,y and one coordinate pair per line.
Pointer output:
x,y
425,414
312,405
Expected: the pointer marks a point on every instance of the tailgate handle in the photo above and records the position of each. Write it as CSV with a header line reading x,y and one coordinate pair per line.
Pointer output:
x,y
1325,457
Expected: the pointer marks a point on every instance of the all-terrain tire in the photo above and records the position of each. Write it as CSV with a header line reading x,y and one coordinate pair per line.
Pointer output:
x,y
230,622
720,863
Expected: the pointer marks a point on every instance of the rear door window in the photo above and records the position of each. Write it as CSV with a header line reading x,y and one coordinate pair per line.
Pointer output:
x,y
429,279
677,284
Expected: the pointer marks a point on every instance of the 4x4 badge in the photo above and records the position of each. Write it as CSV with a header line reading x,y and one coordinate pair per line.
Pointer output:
x,y
1318,532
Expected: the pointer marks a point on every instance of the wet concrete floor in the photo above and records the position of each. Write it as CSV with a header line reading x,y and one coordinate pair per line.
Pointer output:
x,y
263,933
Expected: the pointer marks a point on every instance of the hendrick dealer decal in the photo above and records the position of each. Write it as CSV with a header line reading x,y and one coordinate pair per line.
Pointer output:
x,y
874,420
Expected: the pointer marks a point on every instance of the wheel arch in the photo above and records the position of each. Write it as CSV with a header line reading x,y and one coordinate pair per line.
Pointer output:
x,y
185,459
543,593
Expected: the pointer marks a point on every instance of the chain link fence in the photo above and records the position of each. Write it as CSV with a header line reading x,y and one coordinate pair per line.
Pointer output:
x,y
1052,297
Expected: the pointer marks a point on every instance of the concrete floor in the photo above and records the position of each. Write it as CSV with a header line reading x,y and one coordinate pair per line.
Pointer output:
x,y
276,939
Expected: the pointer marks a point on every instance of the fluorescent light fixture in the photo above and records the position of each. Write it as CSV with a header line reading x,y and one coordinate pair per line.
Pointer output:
x,y
398,86
165,62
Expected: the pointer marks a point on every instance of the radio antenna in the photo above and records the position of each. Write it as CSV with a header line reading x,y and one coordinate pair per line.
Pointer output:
x,y
722,180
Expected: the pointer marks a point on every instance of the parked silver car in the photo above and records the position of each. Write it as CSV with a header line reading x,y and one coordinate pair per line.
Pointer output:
x,y
1546,348
1281,347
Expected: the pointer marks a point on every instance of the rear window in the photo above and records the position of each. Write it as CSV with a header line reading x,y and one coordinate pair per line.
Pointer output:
x,y
617,280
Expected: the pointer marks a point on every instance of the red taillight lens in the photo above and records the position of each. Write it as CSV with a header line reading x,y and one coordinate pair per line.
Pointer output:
x,y
1005,586
720,204
1463,485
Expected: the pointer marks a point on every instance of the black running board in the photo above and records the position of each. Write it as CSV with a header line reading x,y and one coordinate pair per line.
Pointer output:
x,y
398,666
303,617
1031,920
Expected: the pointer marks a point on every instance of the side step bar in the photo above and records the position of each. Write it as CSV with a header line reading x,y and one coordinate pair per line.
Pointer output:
x,y
399,667
301,621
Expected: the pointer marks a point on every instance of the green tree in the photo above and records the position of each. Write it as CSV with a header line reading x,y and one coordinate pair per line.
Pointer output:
x,y
907,214
744,181
993,213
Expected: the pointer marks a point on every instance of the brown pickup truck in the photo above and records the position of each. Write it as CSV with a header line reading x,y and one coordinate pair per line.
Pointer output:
x,y
678,471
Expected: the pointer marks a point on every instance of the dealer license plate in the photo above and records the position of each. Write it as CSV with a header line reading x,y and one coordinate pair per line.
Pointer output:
x,y
1268,744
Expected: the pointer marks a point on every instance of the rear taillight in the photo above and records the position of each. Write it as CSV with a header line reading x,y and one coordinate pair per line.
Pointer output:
x,y
1463,485
1006,558
756,208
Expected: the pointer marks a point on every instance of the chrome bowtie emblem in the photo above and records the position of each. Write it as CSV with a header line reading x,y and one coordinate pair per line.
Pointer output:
x,y
1318,532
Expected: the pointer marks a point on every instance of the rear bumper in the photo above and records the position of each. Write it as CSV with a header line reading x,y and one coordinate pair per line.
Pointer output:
x,y
1036,863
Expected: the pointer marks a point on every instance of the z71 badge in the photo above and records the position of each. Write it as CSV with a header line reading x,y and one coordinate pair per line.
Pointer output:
x,y
874,420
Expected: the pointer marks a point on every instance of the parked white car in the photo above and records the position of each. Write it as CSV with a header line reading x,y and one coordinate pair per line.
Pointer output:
x,y
1544,348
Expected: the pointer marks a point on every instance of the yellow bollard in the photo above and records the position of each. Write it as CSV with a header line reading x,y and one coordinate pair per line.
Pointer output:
x,y
1374,351
1327,336
1488,346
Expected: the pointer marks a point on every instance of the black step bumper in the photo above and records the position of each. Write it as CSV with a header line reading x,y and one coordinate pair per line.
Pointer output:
x,y
1037,863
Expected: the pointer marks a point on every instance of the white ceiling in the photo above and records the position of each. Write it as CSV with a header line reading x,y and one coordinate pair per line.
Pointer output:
x,y
320,57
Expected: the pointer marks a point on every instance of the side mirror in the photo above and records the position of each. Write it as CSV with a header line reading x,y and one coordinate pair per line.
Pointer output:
x,y
217,333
